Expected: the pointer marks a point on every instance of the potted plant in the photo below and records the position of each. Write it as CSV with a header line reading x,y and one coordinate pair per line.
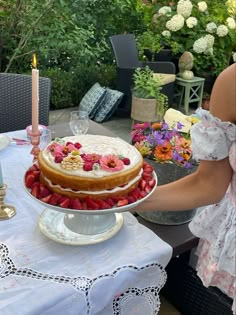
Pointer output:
x,y
148,102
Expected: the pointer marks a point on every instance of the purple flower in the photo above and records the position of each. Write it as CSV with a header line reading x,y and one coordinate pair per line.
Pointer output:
x,y
165,126
155,138
178,158
179,126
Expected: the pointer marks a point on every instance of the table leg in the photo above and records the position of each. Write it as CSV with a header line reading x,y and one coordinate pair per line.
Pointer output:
x,y
186,98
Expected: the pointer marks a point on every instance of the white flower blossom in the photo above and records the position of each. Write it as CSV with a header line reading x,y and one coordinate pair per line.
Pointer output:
x,y
184,7
210,40
222,30
175,23
211,27
209,51
204,45
166,33
231,23
164,10
202,6
200,45
234,56
191,22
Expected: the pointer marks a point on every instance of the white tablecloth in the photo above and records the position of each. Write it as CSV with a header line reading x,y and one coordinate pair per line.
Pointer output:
x,y
120,276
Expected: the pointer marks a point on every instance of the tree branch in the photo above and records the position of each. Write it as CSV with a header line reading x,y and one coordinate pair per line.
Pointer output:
x,y
23,41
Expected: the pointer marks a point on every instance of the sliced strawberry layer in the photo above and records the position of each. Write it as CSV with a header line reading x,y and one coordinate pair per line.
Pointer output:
x,y
41,192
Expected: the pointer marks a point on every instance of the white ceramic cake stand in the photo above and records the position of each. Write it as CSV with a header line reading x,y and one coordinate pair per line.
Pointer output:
x,y
83,227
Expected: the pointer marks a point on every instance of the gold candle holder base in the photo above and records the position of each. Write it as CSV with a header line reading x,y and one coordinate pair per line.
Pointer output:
x,y
6,211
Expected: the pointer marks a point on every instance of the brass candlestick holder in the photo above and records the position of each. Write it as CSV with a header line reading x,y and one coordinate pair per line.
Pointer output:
x,y
6,211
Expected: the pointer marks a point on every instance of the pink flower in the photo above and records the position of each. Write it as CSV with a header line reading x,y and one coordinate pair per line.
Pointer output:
x,y
91,157
141,126
111,163
138,138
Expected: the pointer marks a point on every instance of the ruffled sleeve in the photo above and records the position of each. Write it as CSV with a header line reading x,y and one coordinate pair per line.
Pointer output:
x,y
211,138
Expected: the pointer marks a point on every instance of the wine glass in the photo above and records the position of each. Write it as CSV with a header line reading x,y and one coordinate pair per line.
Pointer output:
x,y
79,122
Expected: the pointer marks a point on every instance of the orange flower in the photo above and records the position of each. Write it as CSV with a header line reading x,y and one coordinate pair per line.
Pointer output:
x,y
163,151
156,126
186,155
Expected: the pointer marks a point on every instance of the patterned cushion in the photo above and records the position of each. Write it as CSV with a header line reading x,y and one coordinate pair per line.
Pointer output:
x,y
92,100
109,104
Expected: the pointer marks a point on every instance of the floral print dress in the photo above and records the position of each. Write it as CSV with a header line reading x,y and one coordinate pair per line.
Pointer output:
x,y
215,225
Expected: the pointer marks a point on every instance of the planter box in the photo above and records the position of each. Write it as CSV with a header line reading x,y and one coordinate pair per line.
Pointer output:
x,y
167,173
144,110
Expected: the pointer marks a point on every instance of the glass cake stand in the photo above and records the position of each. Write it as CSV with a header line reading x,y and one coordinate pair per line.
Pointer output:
x,y
83,227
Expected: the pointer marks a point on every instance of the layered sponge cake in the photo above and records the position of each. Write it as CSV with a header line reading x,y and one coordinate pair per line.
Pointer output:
x,y
96,165
89,172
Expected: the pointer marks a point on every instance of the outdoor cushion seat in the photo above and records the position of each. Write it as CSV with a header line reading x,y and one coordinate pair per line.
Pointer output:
x,y
164,78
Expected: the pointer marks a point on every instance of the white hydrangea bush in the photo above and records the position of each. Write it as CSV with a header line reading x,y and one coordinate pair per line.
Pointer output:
x,y
164,10
191,22
231,23
211,27
184,8
175,23
222,30
202,6
198,27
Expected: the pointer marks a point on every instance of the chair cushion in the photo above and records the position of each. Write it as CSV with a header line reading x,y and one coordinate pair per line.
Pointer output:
x,y
92,100
165,78
109,104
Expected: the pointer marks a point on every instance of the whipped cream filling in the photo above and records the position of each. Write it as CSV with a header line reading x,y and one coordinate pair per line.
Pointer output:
x,y
108,191
102,145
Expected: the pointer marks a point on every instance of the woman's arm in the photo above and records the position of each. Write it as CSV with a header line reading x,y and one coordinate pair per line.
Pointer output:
x,y
206,186
209,183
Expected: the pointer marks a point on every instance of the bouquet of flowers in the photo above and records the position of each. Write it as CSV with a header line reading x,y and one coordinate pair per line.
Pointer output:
x,y
163,143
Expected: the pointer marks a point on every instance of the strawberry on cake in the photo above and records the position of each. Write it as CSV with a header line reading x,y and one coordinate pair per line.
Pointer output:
x,y
89,168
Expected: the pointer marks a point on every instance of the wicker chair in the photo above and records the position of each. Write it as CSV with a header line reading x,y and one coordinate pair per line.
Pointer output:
x,y
16,101
126,55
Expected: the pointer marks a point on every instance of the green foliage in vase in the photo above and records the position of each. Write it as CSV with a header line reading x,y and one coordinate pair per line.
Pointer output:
x,y
145,86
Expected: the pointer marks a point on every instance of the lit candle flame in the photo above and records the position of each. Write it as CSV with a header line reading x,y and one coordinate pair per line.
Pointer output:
x,y
34,61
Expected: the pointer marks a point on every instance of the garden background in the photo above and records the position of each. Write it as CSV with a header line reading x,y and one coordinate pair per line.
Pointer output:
x,y
70,38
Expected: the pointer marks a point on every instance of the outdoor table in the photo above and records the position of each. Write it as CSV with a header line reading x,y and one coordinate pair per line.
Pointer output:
x,y
121,275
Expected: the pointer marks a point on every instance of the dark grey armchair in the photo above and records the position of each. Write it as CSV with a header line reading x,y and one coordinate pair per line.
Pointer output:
x,y
16,101
126,55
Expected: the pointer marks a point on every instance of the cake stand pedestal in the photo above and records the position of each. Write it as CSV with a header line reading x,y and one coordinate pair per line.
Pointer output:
x,y
83,227
79,229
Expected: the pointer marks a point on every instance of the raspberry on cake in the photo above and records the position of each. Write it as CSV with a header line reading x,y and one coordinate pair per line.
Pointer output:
x,y
89,165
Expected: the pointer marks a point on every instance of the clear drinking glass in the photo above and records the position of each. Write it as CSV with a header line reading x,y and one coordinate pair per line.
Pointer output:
x,y
79,122
45,138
